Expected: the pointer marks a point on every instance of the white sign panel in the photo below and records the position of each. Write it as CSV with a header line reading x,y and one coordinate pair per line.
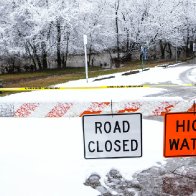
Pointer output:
x,y
85,39
112,136
194,47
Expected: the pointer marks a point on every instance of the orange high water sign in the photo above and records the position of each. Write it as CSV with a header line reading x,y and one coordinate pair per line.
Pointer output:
x,y
180,135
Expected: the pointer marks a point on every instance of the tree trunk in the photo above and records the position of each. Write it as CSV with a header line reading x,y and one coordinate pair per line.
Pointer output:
x,y
155,52
170,51
33,47
162,47
117,34
44,56
90,55
37,58
117,39
128,44
58,25
67,51
188,50
13,64
31,56
111,59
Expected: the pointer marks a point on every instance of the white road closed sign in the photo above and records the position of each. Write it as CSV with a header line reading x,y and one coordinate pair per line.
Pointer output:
x,y
112,136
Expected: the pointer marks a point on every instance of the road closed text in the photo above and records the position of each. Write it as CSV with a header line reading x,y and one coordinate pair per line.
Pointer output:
x,y
116,145
113,136
109,146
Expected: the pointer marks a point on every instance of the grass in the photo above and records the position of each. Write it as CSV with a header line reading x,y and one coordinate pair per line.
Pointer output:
x,y
43,78
52,77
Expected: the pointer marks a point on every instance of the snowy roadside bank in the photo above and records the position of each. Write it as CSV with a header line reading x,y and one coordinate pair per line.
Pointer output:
x,y
46,156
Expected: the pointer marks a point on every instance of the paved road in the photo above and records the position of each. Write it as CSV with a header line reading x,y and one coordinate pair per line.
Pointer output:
x,y
187,93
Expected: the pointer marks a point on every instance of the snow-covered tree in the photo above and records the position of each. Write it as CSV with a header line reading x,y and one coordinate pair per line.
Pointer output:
x,y
46,31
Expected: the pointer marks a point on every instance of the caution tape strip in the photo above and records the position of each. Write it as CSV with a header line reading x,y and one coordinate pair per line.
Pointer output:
x,y
23,89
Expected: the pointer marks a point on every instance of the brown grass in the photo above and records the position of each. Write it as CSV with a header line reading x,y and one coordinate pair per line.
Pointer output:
x,y
52,77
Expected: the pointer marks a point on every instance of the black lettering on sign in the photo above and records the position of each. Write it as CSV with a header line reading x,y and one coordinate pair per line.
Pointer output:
x,y
117,144
108,146
194,125
185,144
126,126
174,144
194,143
117,127
132,145
107,127
98,149
188,126
185,126
98,126
89,146
180,125
125,145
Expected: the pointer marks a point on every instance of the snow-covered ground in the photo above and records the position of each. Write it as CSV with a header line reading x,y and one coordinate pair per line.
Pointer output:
x,y
192,75
156,75
44,157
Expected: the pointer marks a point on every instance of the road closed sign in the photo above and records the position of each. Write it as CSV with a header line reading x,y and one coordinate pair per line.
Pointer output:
x,y
112,136
180,135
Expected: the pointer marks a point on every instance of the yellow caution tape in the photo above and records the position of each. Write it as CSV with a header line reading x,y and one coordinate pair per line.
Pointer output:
x,y
68,88
23,89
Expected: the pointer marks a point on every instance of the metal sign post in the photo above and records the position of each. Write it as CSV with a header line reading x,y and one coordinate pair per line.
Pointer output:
x,y
85,52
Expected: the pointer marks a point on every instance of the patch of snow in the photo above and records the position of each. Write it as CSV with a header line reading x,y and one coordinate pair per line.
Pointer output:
x,y
46,157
